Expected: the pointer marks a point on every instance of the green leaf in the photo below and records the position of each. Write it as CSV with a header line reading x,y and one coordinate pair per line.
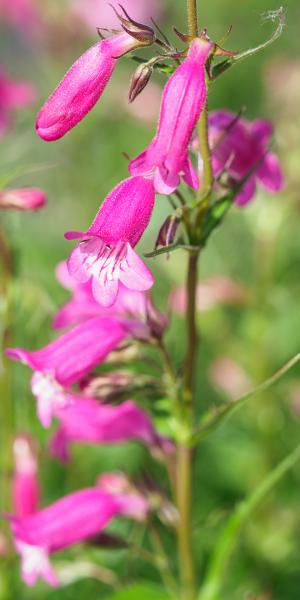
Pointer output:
x,y
212,420
141,591
172,248
224,546
274,15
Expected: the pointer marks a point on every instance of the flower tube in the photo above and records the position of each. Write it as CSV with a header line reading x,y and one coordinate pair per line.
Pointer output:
x,y
184,97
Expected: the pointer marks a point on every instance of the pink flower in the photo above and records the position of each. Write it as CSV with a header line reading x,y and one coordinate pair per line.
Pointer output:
x,y
88,421
23,199
81,87
184,97
20,13
97,12
25,488
106,253
137,308
238,145
67,360
13,94
71,520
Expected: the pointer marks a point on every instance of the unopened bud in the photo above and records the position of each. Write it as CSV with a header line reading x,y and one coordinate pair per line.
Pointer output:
x,y
168,230
139,80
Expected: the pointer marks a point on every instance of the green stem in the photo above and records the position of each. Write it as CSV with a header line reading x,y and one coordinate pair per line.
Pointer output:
x,y
224,546
184,453
192,18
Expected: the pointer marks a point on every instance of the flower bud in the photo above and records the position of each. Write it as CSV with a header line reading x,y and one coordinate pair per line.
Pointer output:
x,y
23,199
139,80
168,231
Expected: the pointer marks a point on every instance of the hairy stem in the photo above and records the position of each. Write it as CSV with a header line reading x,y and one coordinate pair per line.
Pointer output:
x,y
192,17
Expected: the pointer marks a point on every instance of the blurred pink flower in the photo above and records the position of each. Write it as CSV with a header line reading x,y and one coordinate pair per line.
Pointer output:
x,y
25,199
106,253
89,421
99,13
184,97
212,292
71,520
22,14
238,145
68,359
13,95
25,486
130,305
230,377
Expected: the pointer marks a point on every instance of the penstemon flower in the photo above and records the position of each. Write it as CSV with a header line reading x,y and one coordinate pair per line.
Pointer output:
x,y
89,421
238,145
24,199
106,253
67,360
70,520
184,97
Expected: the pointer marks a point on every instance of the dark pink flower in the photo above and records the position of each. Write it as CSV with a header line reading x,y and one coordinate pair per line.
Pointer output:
x,y
184,97
81,87
238,145
88,421
13,95
23,199
67,360
106,253
73,519
25,485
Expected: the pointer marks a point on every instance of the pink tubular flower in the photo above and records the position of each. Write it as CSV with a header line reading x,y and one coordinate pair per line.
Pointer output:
x,y
25,489
88,421
106,253
13,94
238,145
71,520
24,199
81,87
67,360
184,97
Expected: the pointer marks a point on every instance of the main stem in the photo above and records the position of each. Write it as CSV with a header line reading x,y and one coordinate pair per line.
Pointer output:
x,y
192,17
184,452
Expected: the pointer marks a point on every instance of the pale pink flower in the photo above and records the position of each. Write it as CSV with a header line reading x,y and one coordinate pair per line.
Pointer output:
x,y
81,87
238,146
13,95
67,360
25,485
71,520
106,253
184,97
25,199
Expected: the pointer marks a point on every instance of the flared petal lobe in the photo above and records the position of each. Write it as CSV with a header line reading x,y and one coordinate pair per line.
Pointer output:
x,y
184,98
81,87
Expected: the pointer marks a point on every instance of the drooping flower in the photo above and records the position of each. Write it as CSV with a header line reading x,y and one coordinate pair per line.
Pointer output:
x,y
238,146
24,199
89,421
68,359
184,97
25,486
13,95
73,519
106,253
82,86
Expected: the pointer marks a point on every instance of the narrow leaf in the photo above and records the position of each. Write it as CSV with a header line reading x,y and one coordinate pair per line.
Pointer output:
x,y
224,546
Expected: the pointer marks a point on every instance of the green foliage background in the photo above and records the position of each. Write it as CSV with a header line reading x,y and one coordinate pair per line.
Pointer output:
x,y
258,247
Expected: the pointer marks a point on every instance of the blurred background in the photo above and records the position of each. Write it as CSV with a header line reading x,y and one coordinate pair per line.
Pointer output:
x,y
249,309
